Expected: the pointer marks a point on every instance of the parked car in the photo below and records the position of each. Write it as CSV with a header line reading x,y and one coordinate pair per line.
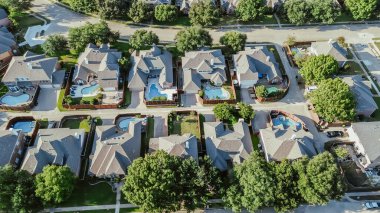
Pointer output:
x,y
371,205
333,134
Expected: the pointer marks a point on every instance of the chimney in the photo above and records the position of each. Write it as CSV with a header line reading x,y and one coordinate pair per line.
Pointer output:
x,y
212,61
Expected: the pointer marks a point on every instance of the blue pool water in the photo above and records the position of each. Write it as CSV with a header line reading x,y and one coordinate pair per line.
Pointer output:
x,y
216,93
25,126
90,89
286,122
124,124
154,92
15,100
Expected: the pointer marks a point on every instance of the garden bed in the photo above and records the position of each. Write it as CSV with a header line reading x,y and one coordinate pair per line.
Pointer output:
x,y
184,122
77,123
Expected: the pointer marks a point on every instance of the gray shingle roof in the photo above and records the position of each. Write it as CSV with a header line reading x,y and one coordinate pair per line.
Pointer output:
x,y
102,61
8,143
7,40
330,48
58,146
31,66
182,146
250,62
153,62
368,134
114,150
3,14
365,104
224,145
204,64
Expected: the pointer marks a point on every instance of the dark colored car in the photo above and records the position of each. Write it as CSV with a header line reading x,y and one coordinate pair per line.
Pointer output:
x,y
333,134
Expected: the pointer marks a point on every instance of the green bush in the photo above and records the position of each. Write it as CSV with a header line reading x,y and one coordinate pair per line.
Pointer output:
x,y
261,91
201,93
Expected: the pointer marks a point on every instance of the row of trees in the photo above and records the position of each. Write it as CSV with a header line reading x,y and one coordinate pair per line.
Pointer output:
x,y
284,185
333,100
21,192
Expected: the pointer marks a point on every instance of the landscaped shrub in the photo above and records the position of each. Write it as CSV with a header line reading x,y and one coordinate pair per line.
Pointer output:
x,y
261,91
201,93
159,98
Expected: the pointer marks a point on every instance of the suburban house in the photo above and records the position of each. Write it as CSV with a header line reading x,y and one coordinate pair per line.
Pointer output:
x,y
366,138
229,6
286,138
157,2
201,66
183,146
33,70
4,20
7,47
150,65
114,150
56,146
254,64
11,147
330,48
275,4
226,147
365,104
98,65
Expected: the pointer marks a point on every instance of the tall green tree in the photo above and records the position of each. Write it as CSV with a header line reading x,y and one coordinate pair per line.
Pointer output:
x,y
55,184
16,5
139,11
224,111
54,44
255,185
17,191
250,10
99,33
112,9
361,9
325,11
169,183
192,38
165,13
246,111
334,101
83,6
234,40
297,11
204,13
142,38
318,68
287,194
319,179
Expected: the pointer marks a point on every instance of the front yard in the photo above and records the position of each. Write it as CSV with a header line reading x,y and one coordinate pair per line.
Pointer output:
x,y
184,123
351,68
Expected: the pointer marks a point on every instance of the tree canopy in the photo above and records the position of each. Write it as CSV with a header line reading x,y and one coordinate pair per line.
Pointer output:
x,y
203,13
17,190
254,186
319,179
139,11
297,11
234,40
143,38
334,101
361,9
191,38
169,182
55,184
318,68
249,10
112,9
99,33
83,6
325,11
54,44
16,5
261,91
246,111
165,12
224,111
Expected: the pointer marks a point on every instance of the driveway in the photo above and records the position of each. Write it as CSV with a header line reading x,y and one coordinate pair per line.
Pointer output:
x,y
137,100
369,59
47,99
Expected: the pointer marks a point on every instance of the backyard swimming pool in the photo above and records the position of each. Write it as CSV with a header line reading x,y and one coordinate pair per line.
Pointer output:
x,y
90,90
214,93
15,100
124,123
154,92
272,90
24,126
286,122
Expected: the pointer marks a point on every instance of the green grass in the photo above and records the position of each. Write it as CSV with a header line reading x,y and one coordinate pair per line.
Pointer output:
x,y
122,46
3,89
354,69
345,16
77,124
25,20
85,194
185,124
255,142
44,122
273,49
377,44
60,100
127,97
146,136
376,114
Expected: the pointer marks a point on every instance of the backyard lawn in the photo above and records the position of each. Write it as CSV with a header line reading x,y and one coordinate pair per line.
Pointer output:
x,y
376,115
85,194
60,100
146,136
182,124
75,123
354,69
273,49
255,142
354,175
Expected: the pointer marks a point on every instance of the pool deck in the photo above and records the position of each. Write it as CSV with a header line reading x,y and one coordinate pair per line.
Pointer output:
x,y
31,94
168,92
208,87
78,91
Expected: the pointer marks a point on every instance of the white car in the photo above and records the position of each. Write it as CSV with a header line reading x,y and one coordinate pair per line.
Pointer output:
x,y
371,205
